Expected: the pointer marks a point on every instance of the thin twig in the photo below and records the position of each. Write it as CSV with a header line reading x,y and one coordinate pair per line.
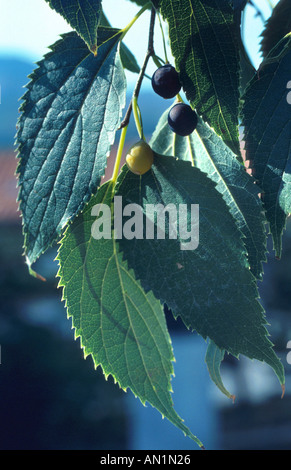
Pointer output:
x,y
258,11
149,54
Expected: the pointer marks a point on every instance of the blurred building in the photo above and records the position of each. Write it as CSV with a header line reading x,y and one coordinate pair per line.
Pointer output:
x,y
52,399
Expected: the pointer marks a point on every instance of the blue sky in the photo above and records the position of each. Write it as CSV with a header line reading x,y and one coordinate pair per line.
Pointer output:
x,y
28,26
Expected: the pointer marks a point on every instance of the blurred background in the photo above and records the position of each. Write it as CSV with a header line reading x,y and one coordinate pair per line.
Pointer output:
x,y
50,397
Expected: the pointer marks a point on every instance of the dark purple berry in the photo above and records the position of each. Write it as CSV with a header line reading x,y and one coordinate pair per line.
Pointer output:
x,y
182,119
165,81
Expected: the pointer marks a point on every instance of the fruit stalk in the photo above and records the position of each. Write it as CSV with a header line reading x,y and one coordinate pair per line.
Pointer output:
x,y
149,54
119,155
137,118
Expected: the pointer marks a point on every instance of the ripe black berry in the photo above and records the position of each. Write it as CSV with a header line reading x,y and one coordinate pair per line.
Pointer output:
x,y
182,119
165,81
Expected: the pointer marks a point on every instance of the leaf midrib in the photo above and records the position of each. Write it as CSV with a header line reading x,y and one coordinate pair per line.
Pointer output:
x,y
124,295
75,119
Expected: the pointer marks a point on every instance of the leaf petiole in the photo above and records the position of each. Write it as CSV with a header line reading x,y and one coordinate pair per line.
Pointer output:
x,y
157,60
139,13
119,154
271,4
164,40
35,274
137,117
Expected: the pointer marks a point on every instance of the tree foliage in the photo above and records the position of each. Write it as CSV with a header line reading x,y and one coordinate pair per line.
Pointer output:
x,y
118,264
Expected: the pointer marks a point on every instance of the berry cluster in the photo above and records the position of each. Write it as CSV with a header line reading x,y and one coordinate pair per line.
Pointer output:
x,y
165,82
181,118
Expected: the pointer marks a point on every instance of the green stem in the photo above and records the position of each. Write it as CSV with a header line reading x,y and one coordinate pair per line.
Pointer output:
x,y
141,11
119,154
137,117
179,98
271,4
150,53
158,61
35,274
164,41
133,103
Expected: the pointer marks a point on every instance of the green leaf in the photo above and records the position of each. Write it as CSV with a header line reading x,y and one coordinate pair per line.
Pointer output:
x,y
266,119
69,117
206,150
120,326
277,26
127,58
83,16
204,44
214,357
239,4
210,287
247,69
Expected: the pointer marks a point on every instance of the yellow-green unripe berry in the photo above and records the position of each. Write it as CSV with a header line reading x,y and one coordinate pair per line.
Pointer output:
x,y
140,158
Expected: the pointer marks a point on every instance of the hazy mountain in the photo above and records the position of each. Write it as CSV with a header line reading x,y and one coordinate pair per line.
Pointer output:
x,y
13,78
